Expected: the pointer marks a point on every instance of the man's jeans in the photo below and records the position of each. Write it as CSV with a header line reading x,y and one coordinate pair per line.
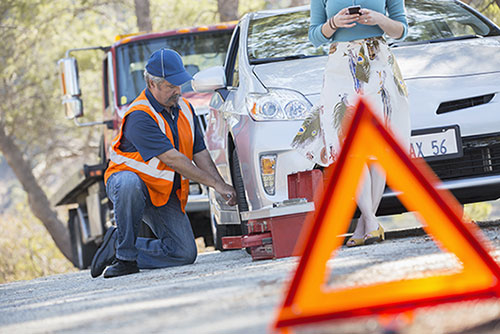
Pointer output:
x,y
175,244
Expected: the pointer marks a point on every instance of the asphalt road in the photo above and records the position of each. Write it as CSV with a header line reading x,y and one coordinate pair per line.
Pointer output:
x,y
229,293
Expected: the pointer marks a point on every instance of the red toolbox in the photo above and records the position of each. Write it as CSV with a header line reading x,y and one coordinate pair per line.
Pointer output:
x,y
273,231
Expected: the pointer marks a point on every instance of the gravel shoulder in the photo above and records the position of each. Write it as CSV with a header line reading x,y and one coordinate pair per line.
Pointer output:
x,y
229,293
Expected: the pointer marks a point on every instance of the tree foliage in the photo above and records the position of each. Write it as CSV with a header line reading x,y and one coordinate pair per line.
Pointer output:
x,y
35,36
200,12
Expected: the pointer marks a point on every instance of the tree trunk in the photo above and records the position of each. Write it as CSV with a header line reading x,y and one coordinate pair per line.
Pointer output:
x,y
142,15
228,10
37,199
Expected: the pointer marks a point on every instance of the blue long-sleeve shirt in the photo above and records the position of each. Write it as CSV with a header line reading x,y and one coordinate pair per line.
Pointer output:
x,y
322,10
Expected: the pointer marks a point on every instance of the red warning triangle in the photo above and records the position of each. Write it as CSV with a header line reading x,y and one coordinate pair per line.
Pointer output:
x,y
310,300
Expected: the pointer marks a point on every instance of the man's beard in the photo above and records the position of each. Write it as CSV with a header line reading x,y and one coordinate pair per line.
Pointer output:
x,y
173,100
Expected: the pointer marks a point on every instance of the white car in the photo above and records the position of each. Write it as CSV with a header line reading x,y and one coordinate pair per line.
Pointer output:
x,y
272,76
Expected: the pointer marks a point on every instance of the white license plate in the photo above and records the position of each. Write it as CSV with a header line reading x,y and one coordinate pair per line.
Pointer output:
x,y
437,143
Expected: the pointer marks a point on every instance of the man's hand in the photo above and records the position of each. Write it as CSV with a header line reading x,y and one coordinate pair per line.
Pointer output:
x,y
203,172
227,193
204,161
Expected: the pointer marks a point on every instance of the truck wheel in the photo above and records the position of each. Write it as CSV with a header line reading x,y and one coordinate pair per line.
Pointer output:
x,y
82,253
239,188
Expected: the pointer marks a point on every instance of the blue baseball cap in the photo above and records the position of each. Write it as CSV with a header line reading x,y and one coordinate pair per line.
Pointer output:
x,y
167,64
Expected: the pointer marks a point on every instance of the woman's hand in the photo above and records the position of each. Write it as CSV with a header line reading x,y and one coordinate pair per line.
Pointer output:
x,y
370,17
340,20
345,20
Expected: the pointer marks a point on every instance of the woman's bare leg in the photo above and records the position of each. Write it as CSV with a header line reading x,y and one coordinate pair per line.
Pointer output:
x,y
377,178
378,186
364,200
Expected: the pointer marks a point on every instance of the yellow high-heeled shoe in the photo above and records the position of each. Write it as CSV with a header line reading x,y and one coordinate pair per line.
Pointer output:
x,y
374,236
353,242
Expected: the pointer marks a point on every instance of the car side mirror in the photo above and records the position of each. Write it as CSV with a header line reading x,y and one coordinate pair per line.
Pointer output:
x,y
209,79
68,72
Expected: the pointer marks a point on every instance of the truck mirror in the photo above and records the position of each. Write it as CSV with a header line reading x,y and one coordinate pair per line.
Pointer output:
x,y
68,72
209,79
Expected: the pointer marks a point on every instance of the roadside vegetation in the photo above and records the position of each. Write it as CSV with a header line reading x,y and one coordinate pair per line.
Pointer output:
x,y
26,248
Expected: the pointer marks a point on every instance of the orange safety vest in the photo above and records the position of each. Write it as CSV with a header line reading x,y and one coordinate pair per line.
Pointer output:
x,y
158,177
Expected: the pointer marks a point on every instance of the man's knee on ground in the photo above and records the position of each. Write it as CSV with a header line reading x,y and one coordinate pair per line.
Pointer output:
x,y
189,255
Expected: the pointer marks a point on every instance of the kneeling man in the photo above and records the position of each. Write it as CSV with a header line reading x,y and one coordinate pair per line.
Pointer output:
x,y
148,176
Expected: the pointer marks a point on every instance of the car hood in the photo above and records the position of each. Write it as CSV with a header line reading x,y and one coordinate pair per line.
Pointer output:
x,y
445,59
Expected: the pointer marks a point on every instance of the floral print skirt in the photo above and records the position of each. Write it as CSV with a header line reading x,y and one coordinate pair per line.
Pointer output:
x,y
364,68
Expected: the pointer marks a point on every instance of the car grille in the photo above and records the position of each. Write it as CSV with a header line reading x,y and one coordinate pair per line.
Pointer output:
x,y
481,157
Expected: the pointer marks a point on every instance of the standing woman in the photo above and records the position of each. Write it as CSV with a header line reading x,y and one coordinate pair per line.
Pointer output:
x,y
360,63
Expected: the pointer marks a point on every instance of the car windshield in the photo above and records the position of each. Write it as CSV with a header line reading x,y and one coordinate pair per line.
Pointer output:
x,y
199,51
285,36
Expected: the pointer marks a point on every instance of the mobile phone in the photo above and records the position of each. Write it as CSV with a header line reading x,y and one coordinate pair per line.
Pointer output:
x,y
354,9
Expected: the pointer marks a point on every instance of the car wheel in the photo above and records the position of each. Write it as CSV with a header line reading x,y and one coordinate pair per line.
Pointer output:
x,y
239,188
82,253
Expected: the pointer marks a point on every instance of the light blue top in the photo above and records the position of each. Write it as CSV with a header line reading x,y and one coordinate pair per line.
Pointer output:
x,y
321,10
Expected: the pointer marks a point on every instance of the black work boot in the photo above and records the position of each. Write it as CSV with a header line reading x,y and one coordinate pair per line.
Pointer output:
x,y
105,254
120,268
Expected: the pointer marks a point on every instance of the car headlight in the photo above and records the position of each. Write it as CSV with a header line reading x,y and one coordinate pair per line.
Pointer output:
x,y
278,104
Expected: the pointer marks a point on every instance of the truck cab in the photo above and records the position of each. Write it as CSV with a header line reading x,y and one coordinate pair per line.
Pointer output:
x,y
89,210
